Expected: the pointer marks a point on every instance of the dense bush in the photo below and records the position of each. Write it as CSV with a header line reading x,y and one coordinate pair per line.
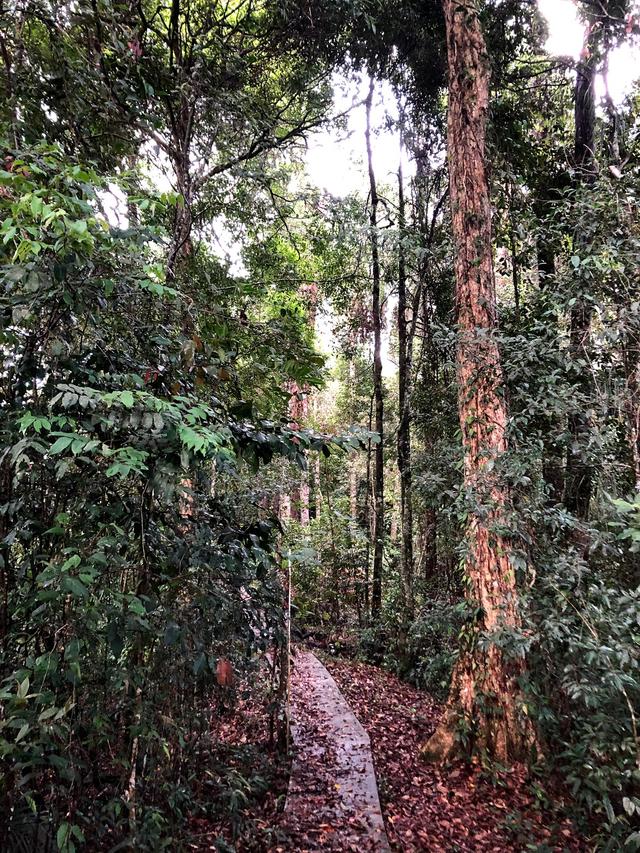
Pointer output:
x,y
127,578
585,674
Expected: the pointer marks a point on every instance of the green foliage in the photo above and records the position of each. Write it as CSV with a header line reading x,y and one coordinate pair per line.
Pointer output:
x,y
327,570
629,525
126,575
156,379
586,690
431,646
423,653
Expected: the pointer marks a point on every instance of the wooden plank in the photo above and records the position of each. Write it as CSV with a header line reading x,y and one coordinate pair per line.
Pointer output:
x,y
332,802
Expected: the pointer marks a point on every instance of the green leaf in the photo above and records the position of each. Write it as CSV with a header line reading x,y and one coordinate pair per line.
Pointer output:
x,y
23,731
136,606
127,400
63,835
61,444
609,809
79,226
71,563
74,586
191,439
117,468
47,714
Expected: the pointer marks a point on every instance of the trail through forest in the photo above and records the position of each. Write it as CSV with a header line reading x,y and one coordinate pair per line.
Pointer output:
x,y
319,320
343,718
332,802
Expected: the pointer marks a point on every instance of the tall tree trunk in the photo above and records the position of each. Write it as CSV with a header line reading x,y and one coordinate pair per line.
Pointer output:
x,y
298,413
318,487
6,573
513,241
485,697
631,403
551,427
368,519
404,425
426,213
633,420
378,477
579,471
430,543
181,246
353,499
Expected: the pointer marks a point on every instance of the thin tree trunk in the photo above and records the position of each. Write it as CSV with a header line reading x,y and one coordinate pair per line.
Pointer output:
x,y
285,512
318,487
394,524
485,697
579,470
295,503
430,544
404,425
368,518
631,361
6,573
353,499
515,267
551,428
305,513
353,471
336,593
181,247
378,479
421,306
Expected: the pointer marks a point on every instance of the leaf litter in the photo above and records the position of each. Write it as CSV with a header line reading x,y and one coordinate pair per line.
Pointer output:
x,y
455,809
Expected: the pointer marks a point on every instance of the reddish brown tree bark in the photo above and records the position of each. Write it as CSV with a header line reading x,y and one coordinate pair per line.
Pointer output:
x,y
484,701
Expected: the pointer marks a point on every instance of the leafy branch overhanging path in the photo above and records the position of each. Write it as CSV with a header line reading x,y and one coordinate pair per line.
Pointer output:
x,y
332,803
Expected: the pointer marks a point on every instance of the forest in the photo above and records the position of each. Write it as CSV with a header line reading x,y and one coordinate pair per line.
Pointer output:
x,y
319,425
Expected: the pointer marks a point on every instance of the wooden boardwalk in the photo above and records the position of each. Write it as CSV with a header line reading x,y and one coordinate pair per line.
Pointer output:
x,y
333,802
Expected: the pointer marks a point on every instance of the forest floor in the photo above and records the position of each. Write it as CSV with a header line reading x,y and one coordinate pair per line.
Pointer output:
x,y
457,809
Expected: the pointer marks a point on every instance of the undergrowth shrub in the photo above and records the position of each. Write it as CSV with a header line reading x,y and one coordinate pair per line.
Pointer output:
x,y
327,557
137,564
585,670
432,644
421,653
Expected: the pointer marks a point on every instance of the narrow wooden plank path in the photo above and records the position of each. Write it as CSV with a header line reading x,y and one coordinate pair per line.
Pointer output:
x,y
332,802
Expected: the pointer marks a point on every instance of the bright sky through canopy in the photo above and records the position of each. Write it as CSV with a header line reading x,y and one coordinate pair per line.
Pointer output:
x,y
335,161
566,34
